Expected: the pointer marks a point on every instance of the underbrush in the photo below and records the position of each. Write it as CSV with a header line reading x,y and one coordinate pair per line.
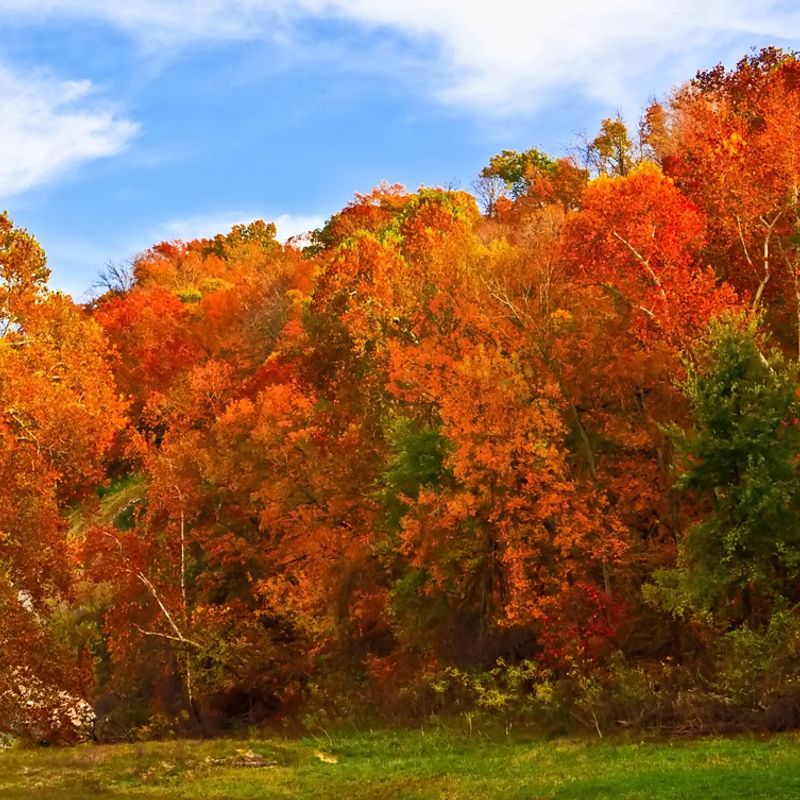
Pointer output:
x,y
746,680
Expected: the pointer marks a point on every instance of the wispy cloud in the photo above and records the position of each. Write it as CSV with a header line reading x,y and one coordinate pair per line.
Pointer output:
x,y
495,59
48,126
498,57
166,22
509,56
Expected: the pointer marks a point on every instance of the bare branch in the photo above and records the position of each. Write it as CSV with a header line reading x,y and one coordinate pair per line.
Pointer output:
x,y
115,278
160,635
644,262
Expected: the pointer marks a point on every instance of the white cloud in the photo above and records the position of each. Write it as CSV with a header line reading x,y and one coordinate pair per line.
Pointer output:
x,y
492,57
200,226
48,126
289,225
76,260
517,55
206,226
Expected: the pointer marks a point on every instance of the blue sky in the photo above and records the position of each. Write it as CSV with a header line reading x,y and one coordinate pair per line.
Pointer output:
x,y
126,123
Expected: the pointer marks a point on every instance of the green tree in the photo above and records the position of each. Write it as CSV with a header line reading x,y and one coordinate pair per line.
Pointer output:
x,y
741,456
513,173
417,460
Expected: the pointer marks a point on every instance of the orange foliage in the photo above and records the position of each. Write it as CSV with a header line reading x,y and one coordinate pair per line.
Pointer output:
x,y
425,434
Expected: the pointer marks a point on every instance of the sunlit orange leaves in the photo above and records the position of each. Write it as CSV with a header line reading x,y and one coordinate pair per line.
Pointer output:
x,y
640,240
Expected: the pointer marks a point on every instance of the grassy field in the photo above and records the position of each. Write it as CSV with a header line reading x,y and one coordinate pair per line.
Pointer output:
x,y
409,764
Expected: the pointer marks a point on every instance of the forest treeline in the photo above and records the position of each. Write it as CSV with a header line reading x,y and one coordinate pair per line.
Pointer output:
x,y
531,455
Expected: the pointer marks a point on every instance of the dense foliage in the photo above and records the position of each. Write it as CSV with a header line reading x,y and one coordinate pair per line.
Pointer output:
x,y
538,460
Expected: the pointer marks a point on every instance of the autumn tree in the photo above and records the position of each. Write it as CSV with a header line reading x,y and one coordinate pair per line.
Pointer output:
x,y
59,414
611,151
732,148
430,437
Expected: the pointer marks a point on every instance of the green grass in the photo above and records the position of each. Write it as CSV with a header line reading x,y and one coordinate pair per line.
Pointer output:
x,y
409,764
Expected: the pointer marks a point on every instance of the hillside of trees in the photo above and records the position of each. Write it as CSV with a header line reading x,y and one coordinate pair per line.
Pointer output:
x,y
532,452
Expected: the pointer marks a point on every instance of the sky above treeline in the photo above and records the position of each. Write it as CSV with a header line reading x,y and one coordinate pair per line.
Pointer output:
x,y
127,122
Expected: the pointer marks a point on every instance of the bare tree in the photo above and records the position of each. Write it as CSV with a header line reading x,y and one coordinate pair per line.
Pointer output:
x,y
114,278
